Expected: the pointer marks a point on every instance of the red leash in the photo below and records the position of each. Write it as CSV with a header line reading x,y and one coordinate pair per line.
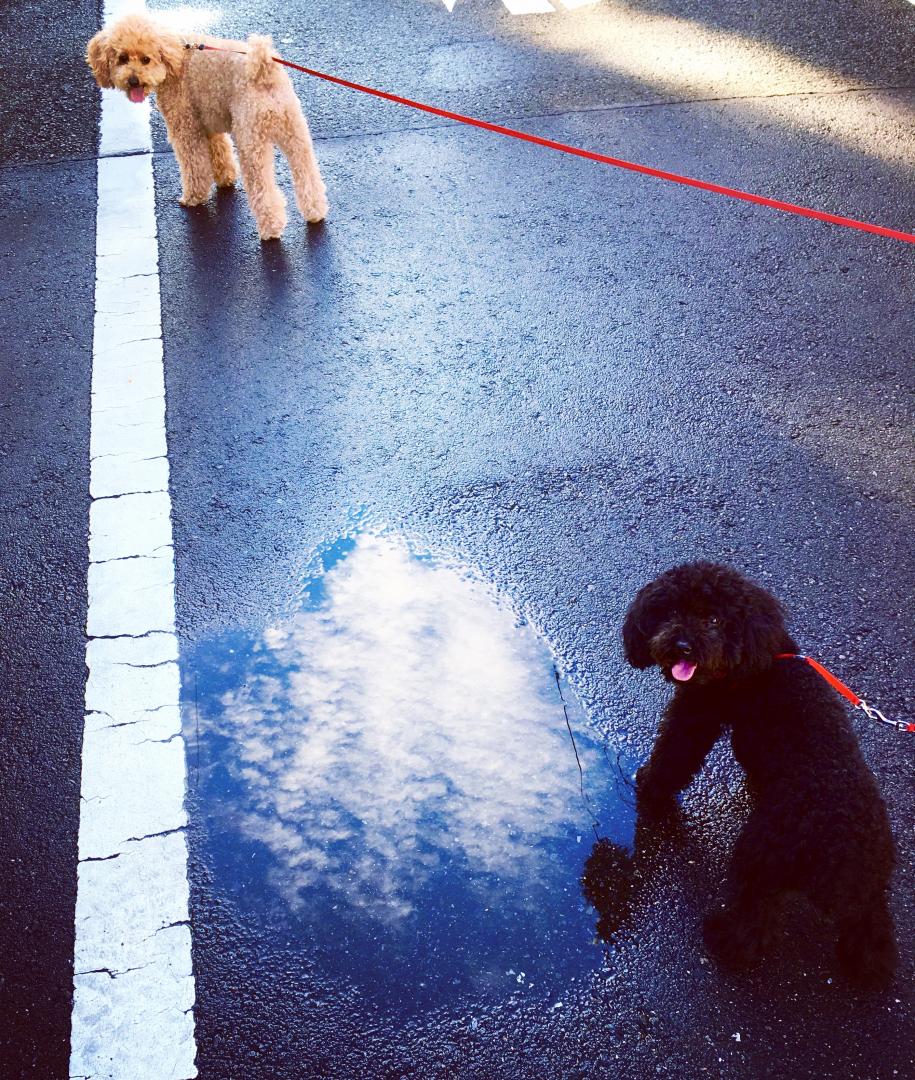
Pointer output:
x,y
604,159
850,695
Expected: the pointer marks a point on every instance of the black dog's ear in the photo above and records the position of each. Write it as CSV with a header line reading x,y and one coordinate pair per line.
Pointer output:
x,y
640,623
764,632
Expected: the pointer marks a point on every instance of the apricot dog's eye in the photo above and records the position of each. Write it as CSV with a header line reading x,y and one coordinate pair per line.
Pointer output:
x,y
122,59
144,59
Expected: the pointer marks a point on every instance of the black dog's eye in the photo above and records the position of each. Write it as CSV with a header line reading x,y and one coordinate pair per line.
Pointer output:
x,y
712,620
122,59
144,59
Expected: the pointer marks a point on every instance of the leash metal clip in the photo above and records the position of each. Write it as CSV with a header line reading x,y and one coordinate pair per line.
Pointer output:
x,y
875,714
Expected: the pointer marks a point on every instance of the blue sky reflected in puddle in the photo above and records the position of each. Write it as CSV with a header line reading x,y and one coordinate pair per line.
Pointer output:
x,y
386,779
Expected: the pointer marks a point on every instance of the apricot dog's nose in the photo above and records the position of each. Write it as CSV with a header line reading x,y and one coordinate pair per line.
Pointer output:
x,y
133,81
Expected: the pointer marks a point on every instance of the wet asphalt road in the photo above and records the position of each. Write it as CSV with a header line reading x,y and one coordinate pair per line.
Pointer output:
x,y
564,377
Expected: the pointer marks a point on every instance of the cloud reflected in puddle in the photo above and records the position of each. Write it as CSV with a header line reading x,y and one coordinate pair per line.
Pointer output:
x,y
389,773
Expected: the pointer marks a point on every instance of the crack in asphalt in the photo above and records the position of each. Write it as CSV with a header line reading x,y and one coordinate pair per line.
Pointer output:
x,y
107,971
121,494
583,110
158,663
171,738
153,835
128,558
580,110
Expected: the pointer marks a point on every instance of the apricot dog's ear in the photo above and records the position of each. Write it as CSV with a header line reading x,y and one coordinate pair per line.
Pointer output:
x,y
172,53
98,57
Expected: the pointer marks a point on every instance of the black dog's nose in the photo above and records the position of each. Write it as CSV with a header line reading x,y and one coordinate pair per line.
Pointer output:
x,y
133,81
683,647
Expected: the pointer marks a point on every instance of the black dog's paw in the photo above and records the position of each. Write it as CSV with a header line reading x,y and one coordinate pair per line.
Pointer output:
x,y
731,939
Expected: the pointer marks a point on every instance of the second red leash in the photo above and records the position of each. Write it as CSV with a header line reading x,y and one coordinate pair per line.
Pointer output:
x,y
590,155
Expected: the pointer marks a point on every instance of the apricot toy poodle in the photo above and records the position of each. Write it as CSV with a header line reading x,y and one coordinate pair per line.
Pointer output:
x,y
206,94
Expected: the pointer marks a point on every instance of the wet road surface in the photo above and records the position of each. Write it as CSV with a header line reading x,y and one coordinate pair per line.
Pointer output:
x,y
551,381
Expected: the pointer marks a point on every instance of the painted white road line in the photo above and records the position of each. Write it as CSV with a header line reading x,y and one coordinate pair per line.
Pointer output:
x,y
528,7
133,981
539,7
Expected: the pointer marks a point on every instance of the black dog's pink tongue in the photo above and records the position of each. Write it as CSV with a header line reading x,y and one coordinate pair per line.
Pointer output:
x,y
135,93
683,670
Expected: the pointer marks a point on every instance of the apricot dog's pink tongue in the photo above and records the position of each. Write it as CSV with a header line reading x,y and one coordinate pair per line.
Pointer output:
x,y
135,93
683,670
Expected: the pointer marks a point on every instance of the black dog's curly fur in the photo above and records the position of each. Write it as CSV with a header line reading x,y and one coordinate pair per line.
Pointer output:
x,y
819,826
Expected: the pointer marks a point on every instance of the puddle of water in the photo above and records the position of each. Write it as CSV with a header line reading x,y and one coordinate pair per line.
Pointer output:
x,y
387,784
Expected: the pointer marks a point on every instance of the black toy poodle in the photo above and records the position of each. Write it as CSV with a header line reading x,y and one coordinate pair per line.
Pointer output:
x,y
818,826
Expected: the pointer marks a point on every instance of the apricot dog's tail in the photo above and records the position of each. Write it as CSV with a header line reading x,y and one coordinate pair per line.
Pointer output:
x,y
259,67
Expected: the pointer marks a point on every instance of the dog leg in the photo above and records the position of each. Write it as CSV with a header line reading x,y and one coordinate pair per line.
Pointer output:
x,y
255,151
222,159
686,735
294,139
759,875
194,164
